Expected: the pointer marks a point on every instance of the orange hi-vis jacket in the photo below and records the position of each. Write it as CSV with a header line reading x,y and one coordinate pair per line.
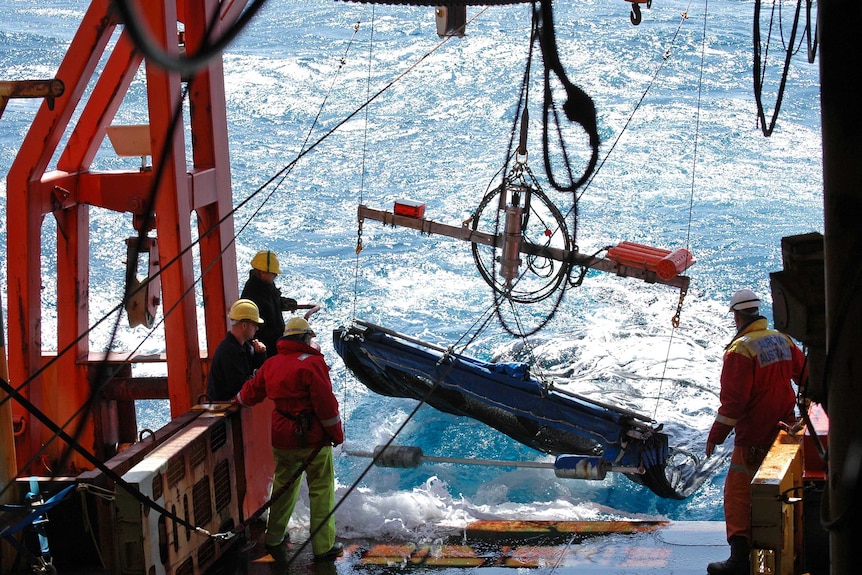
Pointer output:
x,y
756,393
297,381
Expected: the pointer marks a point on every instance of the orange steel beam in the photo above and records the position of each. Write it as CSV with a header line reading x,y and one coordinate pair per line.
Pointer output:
x,y
102,105
24,238
73,241
208,115
172,205
122,191
36,191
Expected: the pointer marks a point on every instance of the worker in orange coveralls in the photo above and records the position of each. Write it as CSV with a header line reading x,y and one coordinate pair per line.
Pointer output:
x,y
756,395
305,425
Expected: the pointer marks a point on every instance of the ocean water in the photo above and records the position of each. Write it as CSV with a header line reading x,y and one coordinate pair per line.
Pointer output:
x,y
683,163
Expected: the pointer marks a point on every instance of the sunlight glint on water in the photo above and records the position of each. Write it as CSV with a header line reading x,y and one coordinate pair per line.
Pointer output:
x,y
440,135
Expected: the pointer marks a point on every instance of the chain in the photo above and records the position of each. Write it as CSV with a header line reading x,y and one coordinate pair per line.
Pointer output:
x,y
675,319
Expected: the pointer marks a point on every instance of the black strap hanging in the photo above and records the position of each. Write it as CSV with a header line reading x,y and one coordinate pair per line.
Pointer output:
x,y
578,106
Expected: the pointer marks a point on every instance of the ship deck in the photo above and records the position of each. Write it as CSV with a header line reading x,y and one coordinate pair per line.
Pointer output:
x,y
491,547
566,548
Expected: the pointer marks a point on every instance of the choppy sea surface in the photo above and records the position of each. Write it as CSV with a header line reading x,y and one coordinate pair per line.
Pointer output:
x,y
683,163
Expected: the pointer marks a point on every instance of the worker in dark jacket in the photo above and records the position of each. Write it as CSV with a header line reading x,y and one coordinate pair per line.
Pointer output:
x,y
756,396
238,354
261,289
305,425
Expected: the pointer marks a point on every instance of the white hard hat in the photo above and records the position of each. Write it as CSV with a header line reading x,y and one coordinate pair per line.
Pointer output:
x,y
744,299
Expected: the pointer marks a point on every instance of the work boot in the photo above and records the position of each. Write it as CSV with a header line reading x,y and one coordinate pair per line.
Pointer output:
x,y
336,551
737,563
277,552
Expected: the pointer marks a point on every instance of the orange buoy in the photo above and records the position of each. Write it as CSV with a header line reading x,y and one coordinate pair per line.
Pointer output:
x,y
637,255
666,264
674,264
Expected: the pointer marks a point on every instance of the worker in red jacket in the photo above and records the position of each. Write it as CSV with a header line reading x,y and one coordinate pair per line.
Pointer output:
x,y
305,420
756,395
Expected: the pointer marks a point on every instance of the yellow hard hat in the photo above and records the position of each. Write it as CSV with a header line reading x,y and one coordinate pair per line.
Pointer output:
x,y
266,261
245,309
296,326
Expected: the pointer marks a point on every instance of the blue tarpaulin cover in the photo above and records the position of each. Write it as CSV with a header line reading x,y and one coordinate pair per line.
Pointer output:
x,y
505,397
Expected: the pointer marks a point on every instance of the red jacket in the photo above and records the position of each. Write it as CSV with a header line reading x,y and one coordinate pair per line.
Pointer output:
x,y
297,381
756,393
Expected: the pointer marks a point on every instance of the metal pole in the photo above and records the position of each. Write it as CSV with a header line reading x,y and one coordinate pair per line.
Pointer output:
x,y
468,461
842,200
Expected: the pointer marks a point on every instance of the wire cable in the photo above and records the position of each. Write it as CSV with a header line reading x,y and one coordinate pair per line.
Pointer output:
x,y
675,322
362,167
190,63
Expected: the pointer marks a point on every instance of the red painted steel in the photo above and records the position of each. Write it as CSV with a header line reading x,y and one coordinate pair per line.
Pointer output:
x,y
41,195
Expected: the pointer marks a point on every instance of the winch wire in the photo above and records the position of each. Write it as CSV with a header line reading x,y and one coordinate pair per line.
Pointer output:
x,y
694,161
362,164
652,81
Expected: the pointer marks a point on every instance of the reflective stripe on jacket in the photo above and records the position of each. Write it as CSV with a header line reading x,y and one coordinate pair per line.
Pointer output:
x,y
297,381
756,390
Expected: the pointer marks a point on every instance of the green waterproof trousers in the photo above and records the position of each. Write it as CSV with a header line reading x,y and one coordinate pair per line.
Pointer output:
x,y
320,476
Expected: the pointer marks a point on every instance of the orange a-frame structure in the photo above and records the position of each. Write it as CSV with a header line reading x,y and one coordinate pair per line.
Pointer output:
x,y
65,192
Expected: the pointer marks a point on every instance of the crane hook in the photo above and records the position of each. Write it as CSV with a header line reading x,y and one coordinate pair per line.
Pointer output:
x,y
635,15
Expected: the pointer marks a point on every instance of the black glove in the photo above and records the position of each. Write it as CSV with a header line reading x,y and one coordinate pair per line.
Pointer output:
x,y
288,304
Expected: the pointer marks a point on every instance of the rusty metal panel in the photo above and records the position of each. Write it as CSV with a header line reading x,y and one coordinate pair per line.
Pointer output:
x,y
174,476
776,509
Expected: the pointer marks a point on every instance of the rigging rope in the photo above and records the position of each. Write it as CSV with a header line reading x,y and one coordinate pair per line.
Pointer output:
x,y
812,44
361,191
285,172
652,81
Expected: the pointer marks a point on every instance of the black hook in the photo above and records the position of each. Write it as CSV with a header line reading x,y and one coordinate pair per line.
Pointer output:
x,y
635,15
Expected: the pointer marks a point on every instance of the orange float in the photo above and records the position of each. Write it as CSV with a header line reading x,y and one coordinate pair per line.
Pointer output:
x,y
665,263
